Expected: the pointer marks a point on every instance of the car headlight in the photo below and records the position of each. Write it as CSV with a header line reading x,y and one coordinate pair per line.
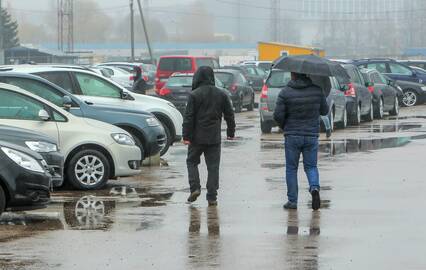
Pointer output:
x,y
23,160
152,122
423,88
42,147
122,138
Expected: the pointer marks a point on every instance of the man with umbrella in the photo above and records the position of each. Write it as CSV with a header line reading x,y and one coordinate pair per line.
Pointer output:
x,y
299,107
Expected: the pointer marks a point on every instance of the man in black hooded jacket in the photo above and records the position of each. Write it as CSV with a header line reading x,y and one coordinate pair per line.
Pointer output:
x,y
202,131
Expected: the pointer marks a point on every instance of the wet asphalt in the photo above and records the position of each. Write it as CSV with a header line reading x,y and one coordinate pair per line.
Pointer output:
x,y
373,188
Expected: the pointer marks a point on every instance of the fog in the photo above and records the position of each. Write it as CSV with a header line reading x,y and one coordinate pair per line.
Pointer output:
x,y
344,28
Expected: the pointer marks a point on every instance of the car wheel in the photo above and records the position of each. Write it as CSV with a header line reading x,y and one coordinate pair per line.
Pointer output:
x,y
169,140
410,98
265,127
2,200
370,116
395,109
378,111
250,107
331,119
88,169
344,123
355,119
239,106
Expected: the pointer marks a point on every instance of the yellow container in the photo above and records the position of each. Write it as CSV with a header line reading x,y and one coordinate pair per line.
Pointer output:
x,y
269,51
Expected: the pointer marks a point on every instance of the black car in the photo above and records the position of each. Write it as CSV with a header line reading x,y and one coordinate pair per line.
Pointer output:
x,y
24,178
254,75
359,102
177,89
149,137
385,96
413,93
242,94
415,63
44,145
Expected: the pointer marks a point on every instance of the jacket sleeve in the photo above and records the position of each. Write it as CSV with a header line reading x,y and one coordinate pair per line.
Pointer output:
x,y
189,120
279,113
228,113
324,108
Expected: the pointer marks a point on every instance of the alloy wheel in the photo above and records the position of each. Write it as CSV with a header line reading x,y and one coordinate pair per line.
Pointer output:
x,y
409,99
89,170
345,118
381,112
89,212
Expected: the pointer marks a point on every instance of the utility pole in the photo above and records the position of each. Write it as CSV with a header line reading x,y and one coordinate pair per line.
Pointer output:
x,y
66,23
275,20
239,21
132,33
148,44
1,37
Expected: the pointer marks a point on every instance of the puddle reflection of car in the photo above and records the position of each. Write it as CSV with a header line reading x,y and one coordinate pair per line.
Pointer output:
x,y
24,178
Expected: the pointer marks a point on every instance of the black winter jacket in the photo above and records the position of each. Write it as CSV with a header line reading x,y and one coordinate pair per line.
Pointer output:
x,y
205,108
299,106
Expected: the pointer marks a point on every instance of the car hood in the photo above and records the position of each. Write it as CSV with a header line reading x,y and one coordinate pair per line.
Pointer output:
x,y
110,108
104,126
14,134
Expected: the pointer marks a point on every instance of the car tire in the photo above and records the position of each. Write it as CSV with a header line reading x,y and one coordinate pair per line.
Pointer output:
x,y
331,118
344,123
265,127
2,200
370,116
395,109
355,119
379,109
410,98
250,107
239,106
88,160
169,140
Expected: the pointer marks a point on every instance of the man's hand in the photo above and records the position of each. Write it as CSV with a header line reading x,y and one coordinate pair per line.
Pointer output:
x,y
186,142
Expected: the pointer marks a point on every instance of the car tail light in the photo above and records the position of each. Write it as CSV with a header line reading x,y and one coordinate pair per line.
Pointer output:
x,y
164,92
233,88
351,92
264,93
371,89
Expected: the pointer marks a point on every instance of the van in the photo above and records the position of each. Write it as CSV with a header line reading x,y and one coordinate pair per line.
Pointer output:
x,y
167,65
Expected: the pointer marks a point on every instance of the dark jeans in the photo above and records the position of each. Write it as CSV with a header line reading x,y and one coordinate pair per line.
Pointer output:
x,y
308,147
212,157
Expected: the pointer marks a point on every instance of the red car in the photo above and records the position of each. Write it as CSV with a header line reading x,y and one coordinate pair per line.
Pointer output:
x,y
167,65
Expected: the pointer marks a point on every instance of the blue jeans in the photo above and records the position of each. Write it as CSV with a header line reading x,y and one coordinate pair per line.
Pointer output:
x,y
326,121
308,147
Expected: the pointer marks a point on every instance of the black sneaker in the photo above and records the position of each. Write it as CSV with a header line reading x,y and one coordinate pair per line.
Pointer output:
x,y
316,201
194,195
212,203
290,205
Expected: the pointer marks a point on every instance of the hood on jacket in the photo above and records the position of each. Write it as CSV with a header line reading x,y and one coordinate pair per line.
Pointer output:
x,y
300,83
203,76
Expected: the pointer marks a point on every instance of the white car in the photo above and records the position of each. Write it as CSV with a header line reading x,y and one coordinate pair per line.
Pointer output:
x,y
96,89
94,151
116,74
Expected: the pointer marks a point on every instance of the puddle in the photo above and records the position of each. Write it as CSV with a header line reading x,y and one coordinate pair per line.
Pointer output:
x,y
397,127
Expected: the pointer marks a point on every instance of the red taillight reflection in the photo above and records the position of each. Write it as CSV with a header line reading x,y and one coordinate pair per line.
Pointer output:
x,y
264,93
164,92
351,92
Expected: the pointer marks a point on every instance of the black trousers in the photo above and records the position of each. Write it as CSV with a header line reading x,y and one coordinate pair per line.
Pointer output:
x,y
212,157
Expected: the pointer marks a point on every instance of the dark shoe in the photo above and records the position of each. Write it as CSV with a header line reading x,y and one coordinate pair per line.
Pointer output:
x,y
290,205
212,203
328,133
316,201
194,195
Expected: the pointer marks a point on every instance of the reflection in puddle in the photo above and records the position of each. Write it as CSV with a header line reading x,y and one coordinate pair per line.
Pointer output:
x,y
397,127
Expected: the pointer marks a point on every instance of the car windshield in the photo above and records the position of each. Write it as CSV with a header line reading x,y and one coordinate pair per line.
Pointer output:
x,y
265,66
278,78
175,64
224,77
180,81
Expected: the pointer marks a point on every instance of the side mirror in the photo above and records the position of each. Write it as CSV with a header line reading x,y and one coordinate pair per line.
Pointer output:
x,y
43,115
344,88
369,84
67,102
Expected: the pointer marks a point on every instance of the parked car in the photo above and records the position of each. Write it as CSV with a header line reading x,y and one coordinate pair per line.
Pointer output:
x,y
264,65
413,93
131,67
118,75
94,151
359,101
24,178
167,65
385,97
242,94
178,87
38,142
277,80
254,75
145,129
416,63
98,90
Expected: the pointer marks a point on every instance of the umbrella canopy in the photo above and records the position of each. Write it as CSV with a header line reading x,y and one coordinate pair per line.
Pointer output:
x,y
323,82
312,65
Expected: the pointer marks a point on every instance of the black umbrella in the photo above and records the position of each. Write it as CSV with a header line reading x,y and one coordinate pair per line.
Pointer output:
x,y
312,65
323,82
